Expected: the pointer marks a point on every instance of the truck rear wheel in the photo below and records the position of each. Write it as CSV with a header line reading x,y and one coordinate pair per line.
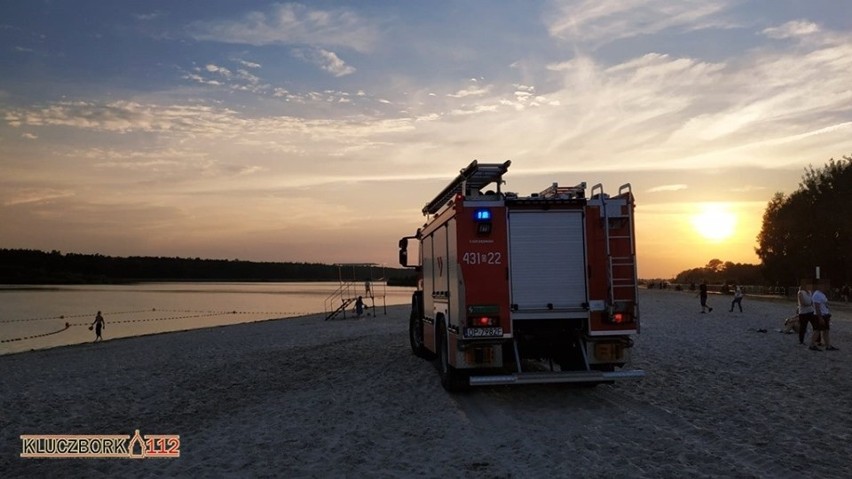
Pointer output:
x,y
415,337
451,378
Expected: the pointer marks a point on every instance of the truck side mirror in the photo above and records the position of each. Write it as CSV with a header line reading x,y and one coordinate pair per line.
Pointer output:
x,y
403,252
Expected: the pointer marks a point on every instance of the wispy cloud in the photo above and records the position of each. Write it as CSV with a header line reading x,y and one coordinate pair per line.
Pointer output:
x,y
248,64
748,189
324,59
473,90
797,28
22,196
205,126
598,22
120,117
145,17
291,24
658,189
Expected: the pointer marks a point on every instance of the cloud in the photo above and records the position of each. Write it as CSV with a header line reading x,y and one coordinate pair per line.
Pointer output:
x,y
790,93
217,69
658,189
470,91
29,136
248,64
121,117
325,60
796,28
157,161
219,132
291,24
220,76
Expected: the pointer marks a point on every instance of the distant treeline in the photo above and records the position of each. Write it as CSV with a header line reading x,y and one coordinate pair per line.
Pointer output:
x,y
20,266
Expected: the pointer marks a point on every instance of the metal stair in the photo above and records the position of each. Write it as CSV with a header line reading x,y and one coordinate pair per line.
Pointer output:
x,y
340,309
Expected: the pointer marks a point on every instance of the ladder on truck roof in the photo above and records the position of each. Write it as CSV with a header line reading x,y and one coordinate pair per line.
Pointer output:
x,y
555,191
621,267
473,178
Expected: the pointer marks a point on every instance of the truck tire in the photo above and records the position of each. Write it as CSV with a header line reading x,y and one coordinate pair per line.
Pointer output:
x,y
415,337
451,378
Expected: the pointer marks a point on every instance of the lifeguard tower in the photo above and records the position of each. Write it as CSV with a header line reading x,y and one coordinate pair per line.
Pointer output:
x,y
367,280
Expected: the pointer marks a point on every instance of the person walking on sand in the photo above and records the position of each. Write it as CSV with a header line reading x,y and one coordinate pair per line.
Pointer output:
x,y
99,324
806,315
823,318
702,294
738,299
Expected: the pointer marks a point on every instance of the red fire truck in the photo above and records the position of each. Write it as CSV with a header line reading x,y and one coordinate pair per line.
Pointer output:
x,y
524,289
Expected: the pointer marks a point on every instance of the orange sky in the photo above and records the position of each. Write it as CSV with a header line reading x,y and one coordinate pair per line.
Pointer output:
x,y
669,241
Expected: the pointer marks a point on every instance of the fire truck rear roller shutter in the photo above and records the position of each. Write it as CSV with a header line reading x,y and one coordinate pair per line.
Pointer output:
x,y
548,264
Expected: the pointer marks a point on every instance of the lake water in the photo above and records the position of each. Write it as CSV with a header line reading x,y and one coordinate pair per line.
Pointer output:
x,y
35,317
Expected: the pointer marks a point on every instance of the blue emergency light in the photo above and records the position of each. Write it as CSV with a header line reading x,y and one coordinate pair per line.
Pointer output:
x,y
482,214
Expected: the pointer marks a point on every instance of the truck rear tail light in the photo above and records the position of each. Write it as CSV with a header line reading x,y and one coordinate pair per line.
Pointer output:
x,y
482,321
619,315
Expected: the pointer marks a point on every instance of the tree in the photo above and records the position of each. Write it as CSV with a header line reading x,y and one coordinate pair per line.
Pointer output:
x,y
715,265
722,272
811,227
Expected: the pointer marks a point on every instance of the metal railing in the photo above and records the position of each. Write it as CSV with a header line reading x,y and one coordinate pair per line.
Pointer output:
x,y
339,301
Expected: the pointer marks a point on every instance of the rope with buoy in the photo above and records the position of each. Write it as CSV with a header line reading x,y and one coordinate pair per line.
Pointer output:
x,y
67,326
199,314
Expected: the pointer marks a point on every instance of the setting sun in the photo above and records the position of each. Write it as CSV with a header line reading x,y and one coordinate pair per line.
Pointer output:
x,y
715,222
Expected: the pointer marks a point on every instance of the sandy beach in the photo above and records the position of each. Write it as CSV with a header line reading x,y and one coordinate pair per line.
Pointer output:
x,y
305,397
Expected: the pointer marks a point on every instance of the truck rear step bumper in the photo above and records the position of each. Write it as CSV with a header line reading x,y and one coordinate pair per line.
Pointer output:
x,y
555,377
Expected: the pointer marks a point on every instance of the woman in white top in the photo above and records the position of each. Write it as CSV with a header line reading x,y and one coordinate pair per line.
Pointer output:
x,y
806,315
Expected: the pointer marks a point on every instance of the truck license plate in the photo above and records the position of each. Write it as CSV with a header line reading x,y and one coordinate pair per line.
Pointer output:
x,y
494,332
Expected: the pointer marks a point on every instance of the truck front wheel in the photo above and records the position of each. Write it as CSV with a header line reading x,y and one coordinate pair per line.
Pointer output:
x,y
451,378
415,337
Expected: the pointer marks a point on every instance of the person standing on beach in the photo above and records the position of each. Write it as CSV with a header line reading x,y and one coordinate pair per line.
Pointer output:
x,y
823,318
702,294
99,324
806,315
738,299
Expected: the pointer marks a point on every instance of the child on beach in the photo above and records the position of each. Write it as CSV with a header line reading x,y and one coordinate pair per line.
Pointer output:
x,y
359,307
738,299
702,294
99,324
